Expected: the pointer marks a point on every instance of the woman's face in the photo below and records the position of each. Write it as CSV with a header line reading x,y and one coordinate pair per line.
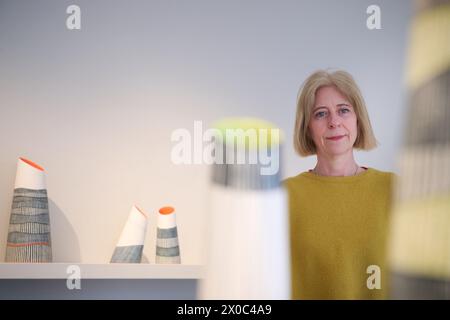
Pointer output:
x,y
333,123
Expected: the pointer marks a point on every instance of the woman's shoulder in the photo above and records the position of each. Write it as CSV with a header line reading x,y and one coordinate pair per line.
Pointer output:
x,y
292,179
386,175
295,182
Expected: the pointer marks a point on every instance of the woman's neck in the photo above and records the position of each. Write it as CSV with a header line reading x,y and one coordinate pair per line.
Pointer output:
x,y
342,165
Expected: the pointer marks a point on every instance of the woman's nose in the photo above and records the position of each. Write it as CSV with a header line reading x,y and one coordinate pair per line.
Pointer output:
x,y
333,121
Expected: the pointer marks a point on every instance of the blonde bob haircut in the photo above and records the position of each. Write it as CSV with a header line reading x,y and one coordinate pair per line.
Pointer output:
x,y
344,82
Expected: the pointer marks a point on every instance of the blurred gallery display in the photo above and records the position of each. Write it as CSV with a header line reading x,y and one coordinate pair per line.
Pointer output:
x,y
248,255
420,233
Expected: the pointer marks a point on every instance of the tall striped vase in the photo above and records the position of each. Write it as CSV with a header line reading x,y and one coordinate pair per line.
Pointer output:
x,y
29,227
131,242
167,246
420,237
248,235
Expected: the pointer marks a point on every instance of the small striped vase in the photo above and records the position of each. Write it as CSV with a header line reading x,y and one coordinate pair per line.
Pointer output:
x,y
29,227
131,243
167,247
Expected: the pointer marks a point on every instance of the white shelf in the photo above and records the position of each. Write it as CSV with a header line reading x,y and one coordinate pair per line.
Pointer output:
x,y
100,271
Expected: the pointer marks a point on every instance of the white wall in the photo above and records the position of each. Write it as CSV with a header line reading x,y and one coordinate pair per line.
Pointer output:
x,y
96,107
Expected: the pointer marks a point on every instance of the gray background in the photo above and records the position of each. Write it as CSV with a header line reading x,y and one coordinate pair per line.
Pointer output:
x,y
96,107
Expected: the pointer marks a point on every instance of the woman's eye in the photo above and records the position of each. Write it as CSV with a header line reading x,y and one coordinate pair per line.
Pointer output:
x,y
344,110
320,114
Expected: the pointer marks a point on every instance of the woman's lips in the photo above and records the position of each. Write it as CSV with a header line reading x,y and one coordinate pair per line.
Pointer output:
x,y
335,138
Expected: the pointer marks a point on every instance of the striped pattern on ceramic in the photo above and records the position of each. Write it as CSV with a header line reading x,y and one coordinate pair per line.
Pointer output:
x,y
130,246
247,154
418,287
420,238
29,253
429,114
37,228
424,172
127,254
167,243
244,176
429,48
25,218
29,230
168,260
167,246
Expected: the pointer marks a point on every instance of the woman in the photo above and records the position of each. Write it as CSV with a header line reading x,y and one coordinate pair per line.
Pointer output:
x,y
338,210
